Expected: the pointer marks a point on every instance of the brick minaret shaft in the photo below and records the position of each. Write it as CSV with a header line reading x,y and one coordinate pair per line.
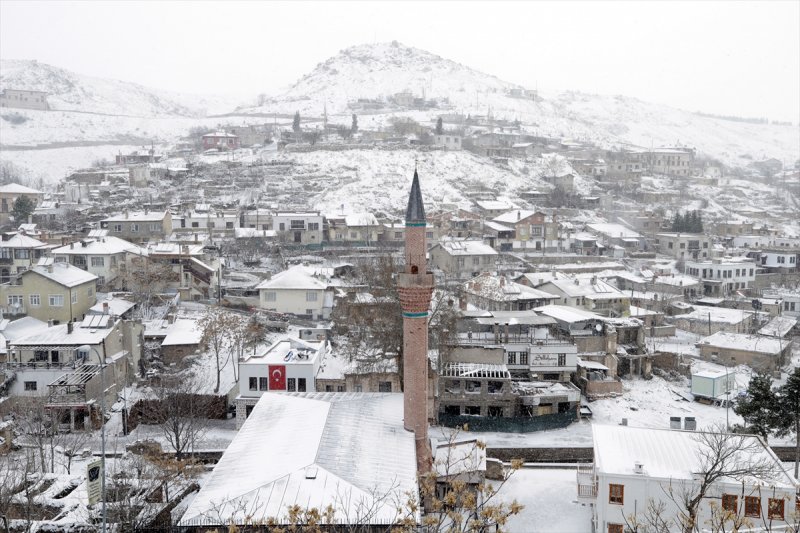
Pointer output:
x,y
415,286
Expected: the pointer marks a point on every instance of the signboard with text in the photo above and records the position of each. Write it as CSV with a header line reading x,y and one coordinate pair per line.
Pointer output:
x,y
94,472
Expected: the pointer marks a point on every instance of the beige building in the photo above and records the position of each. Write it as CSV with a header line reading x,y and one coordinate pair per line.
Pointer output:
x,y
139,227
757,351
58,292
463,259
9,194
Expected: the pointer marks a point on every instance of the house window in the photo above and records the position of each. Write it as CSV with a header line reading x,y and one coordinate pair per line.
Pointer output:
x,y
98,261
154,227
358,388
460,262
752,506
253,383
30,385
301,384
311,296
90,291
271,296
616,493
74,297
562,359
116,228
730,502
15,301
36,300
313,226
385,386
134,228
263,384
339,388
616,528
775,509
523,358
55,300
512,358
291,385
474,410
297,224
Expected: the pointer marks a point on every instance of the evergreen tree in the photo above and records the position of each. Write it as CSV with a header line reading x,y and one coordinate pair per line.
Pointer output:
x,y
677,222
296,122
354,125
439,127
788,420
759,407
23,207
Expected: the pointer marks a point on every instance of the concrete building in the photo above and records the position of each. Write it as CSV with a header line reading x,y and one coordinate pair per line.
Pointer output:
x,y
671,161
139,227
104,256
9,194
299,228
635,467
757,351
296,291
289,364
463,259
493,292
220,140
723,276
683,246
18,252
24,99
58,292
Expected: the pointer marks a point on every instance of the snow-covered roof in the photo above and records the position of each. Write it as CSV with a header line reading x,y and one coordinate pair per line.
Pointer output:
x,y
513,216
289,350
63,274
779,326
138,216
497,226
501,289
16,188
745,342
296,277
116,306
361,219
59,336
22,241
100,246
567,314
467,248
494,205
183,332
716,314
588,287
664,453
614,230
313,450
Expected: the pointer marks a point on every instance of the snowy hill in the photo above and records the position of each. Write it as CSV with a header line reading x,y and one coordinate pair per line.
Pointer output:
x,y
69,91
377,71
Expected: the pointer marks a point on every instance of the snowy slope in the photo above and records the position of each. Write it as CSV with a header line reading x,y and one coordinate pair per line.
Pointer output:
x,y
76,92
378,71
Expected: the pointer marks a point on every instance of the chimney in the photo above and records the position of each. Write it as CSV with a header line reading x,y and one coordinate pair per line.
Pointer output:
x,y
69,327
50,268
72,246
105,308
496,333
506,332
674,422
638,467
126,213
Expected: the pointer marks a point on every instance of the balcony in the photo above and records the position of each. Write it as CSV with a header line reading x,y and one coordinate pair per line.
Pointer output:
x,y
587,482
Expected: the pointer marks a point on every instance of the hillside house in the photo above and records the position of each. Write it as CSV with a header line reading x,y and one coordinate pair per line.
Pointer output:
x,y
9,194
220,140
106,256
463,259
24,99
299,228
757,351
139,227
591,294
683,246
448,141
194,271
497,293
533,230
723,276
59,292
18,252
298,292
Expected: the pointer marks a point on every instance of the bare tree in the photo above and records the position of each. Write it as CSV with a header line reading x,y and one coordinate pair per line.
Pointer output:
x,y
217,325
723,456
180,412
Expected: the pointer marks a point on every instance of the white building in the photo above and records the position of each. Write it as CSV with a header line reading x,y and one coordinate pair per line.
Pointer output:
x,y
450,141
635,466
296,291
723,276
300,228
105,257
463,259
289,365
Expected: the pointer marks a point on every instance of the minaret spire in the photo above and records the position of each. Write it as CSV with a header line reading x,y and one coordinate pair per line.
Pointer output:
x,y
415,286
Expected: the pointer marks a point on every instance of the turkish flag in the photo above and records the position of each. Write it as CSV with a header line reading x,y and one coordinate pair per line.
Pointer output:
x,y
277,377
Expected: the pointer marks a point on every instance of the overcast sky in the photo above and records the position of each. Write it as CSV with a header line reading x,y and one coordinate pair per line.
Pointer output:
x,y
739,58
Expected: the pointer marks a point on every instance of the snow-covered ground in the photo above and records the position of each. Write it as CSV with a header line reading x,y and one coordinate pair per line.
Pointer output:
x,y
550,500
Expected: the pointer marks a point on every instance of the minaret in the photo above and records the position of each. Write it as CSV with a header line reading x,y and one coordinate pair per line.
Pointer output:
x,y
415,286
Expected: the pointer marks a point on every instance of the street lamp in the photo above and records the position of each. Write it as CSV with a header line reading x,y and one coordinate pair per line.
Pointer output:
x,y
86,348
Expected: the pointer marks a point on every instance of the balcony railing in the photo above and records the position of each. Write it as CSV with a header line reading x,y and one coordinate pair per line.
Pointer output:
x,y
587,482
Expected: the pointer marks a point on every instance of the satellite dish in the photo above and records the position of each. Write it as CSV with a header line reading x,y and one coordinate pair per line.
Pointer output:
x,y
598,328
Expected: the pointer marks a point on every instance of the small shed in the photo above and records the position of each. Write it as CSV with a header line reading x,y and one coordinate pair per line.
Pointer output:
x,y
713,384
